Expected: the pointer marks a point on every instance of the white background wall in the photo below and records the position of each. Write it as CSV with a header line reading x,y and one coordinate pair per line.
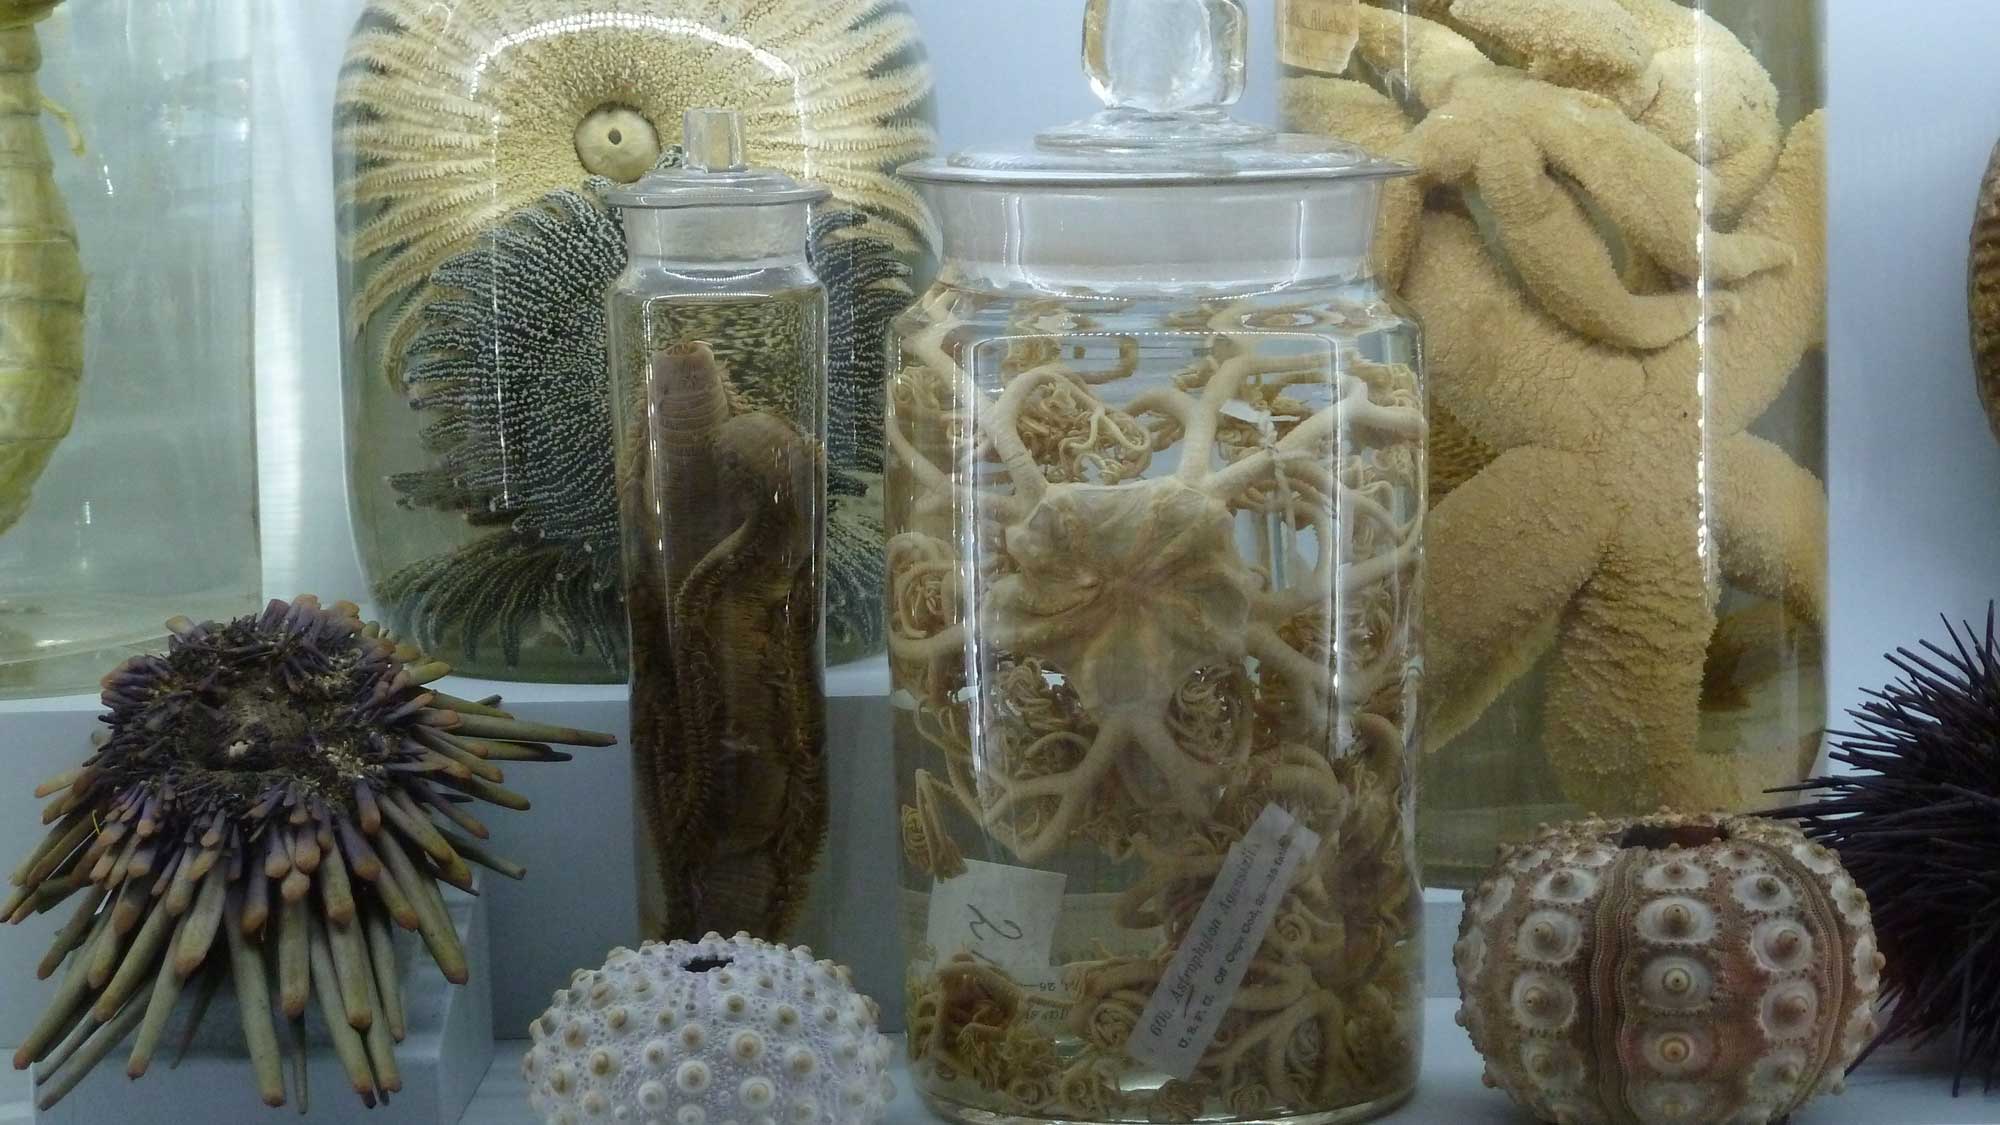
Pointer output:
x,y
1915,107
1915,481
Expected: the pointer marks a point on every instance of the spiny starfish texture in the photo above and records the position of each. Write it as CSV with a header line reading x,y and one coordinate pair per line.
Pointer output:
x,y
1097,661
275,795
454,116
1618,256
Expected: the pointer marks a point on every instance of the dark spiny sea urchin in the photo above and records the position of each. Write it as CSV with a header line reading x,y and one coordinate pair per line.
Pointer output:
x,y
508,360
260,814
1918,826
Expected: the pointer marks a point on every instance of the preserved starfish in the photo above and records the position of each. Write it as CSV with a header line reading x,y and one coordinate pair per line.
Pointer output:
x,y
1608,485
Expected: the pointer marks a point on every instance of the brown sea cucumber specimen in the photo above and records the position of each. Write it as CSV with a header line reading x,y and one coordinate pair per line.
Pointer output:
x,y
728,704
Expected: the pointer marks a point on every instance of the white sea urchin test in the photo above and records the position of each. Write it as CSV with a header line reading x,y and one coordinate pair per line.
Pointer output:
x,y
710,1031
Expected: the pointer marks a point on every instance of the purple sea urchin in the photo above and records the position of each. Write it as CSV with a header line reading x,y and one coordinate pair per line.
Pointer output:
x,y
261,814
1918,825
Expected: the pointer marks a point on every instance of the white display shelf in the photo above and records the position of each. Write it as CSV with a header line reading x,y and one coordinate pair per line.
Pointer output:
x,y
1895,1089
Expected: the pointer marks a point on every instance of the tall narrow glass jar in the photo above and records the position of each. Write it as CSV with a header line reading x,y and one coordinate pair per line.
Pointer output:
x,y
1616,241
718,404
474,143
1156,510
128,484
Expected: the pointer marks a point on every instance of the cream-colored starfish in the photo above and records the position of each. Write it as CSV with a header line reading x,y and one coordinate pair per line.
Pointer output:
x,y
1604,351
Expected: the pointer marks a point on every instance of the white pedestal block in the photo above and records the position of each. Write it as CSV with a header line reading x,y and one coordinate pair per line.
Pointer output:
x,y
443,1059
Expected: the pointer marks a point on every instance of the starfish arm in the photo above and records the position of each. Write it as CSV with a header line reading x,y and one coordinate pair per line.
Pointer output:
x,y
1714,98
1416,54
1072,790
1621,713
1509,373
1588,44
1780,315
1358,113
1770,526
1653,194
1561,258
1193,783
1502,570
1309,680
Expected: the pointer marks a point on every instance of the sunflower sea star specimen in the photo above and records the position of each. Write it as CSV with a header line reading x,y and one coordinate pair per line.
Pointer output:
x,y
1602,338
722,582
454,116
1132,680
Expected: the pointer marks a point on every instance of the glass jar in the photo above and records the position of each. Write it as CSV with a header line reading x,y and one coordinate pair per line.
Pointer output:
x,y
128,488
718,400
1616,243
1156,510
474,145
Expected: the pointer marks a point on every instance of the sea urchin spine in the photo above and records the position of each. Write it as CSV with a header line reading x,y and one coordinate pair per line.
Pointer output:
x,y
1917,823
261,814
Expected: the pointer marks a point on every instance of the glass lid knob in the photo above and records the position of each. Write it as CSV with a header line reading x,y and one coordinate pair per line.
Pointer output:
x,y
713,140
1167,72
1160,56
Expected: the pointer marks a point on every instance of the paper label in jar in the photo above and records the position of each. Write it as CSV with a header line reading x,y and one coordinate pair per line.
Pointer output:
x,y
1199,987
1005,916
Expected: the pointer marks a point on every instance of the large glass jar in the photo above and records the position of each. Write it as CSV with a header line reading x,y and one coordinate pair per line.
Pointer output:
x,y
474,145
1616,243
718,398
1156,506
127,429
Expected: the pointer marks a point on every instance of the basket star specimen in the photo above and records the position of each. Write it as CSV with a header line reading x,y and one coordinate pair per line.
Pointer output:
x,y
274,796
1102,655
1601,342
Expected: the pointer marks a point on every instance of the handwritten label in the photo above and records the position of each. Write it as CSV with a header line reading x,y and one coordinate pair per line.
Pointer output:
x,y
1002,915
1181,1019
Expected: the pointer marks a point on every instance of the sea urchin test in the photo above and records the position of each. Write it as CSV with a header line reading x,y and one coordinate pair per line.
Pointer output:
x,y
709,1032
276,795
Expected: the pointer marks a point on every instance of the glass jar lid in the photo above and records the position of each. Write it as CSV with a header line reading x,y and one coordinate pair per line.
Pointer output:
x,y
713,172
1167,72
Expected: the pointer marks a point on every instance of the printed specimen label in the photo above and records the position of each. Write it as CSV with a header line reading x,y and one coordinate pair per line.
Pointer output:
x,y
1005,916
1181,1018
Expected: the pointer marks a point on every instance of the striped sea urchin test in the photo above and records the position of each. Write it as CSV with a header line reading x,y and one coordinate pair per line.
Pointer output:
x,y
261,814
